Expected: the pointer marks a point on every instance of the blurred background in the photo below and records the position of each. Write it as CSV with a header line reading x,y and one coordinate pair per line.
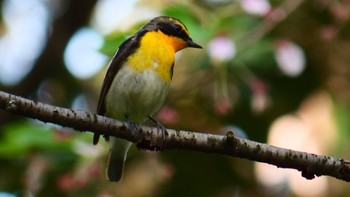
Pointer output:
x,y
274,71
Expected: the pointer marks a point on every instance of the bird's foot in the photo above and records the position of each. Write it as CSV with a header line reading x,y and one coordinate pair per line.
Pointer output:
x,y
161,128
132,125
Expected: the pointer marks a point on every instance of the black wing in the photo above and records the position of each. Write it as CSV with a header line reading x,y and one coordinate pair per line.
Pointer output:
x,y
125,49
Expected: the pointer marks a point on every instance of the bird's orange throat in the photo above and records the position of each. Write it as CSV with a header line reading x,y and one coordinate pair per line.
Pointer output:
x,y
157,51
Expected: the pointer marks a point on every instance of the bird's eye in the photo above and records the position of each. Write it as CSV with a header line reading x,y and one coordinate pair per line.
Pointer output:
x,y
177,27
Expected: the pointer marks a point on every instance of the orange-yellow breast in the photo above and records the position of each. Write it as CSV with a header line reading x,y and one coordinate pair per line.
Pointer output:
x,y
157,51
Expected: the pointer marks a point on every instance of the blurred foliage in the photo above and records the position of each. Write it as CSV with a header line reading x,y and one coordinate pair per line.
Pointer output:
x,y
248,88
21,137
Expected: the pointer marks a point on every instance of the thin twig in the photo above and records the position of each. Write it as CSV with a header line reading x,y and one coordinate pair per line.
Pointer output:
x,y
310,165
274,18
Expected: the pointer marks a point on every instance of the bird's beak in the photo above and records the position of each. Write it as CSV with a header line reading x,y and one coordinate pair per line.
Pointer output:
x,y
192,44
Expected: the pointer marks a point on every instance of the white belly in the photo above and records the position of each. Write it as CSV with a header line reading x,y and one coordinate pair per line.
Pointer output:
x,y
135,95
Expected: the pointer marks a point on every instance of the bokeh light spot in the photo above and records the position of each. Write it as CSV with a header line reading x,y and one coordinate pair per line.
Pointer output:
x,y
26,30
81,56
290,58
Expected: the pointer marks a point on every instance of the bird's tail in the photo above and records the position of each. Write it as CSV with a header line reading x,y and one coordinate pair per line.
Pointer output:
x,y
117,156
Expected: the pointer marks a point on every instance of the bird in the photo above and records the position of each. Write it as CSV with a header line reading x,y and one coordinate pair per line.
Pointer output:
x,y
137,81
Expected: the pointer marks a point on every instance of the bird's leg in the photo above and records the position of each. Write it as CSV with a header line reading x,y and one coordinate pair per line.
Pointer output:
x,y
161,128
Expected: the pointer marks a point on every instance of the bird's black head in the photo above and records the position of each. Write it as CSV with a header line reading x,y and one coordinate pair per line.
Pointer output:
x,y
172,27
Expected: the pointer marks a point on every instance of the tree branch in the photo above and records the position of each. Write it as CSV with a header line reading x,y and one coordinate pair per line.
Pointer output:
x,y
145,137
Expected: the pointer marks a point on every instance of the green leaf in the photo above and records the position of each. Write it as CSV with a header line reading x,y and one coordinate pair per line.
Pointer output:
x,y
115,39
342,114
23,136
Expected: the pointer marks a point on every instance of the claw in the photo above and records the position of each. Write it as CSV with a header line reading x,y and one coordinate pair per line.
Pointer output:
x,y
133,126
161,128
